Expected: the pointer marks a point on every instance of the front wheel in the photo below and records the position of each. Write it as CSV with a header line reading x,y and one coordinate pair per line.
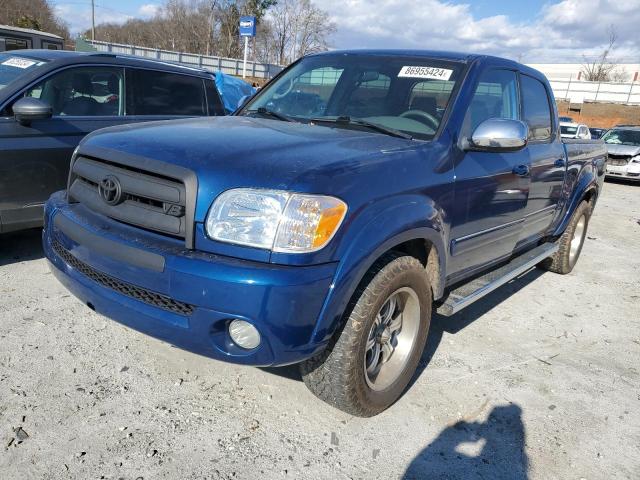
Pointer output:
x,y
571,242
374,358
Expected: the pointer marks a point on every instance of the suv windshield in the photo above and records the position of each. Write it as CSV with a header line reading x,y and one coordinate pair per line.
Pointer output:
x,y
14,66
622,137
568,130
399,96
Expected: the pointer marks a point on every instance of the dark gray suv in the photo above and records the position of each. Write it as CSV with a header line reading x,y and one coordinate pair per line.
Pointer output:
x,y
49,100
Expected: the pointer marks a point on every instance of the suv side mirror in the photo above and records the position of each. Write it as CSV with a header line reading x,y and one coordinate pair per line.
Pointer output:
x,y
28,109
584,135
499,135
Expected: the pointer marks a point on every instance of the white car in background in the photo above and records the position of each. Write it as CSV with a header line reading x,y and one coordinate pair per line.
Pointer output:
x,y
623,146
574,130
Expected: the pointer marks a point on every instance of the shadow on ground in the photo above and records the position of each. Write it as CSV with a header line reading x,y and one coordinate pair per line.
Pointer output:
x,y
622,181
441,324
476,450
21,246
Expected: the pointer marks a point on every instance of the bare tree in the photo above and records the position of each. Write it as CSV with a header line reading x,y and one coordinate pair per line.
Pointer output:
x,y
297,28
286,29
600,68
620,74
34,14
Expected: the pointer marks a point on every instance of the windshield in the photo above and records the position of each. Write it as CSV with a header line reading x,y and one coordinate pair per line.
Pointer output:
x,y
14,66
405,95
622,137
564,130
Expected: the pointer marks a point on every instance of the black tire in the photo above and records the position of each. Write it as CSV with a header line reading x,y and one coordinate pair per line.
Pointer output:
x,y
565,258
337,375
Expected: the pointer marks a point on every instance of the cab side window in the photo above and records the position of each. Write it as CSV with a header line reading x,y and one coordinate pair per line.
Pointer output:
x,y
368,95
496,96
83,91
151,92
431,96
535,108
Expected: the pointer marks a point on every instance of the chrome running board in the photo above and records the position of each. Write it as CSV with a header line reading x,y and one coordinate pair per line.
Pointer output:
x,y
468,293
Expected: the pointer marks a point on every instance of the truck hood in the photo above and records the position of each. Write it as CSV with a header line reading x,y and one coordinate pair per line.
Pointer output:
x,y
233,152
626,150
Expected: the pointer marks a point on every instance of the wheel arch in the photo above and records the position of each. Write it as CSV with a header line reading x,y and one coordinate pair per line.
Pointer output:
x,y
418,235
586,188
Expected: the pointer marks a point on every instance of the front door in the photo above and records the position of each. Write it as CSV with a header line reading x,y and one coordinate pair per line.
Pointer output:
x,y
34,159
491,189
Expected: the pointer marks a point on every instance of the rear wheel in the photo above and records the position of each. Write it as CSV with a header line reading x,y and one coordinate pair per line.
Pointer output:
x,y
570,242
375,356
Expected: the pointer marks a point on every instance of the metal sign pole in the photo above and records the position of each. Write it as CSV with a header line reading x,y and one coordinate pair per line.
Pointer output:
x,y
244,65
247,29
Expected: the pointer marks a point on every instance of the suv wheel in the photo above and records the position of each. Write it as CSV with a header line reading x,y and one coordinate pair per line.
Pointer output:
x,y
373,359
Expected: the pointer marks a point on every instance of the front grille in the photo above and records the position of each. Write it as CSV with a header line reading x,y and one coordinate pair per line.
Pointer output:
x,y
618,160
132,291
136,197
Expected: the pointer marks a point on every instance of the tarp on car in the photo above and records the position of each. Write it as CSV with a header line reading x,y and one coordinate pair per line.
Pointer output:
x,y
231,90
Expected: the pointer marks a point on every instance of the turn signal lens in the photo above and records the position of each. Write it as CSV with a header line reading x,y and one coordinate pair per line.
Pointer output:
x,y
329,222
308,223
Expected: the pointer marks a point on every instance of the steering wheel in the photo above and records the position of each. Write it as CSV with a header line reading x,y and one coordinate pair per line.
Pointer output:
x,y
420,116
277,96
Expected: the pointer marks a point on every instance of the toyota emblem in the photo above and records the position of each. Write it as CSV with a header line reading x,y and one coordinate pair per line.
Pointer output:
x,y
110,190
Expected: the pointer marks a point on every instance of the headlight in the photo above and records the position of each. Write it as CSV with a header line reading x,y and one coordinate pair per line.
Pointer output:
x,y
635,159
276,220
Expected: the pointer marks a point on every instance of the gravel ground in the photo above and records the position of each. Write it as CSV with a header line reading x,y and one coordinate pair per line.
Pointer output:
x,y
540,380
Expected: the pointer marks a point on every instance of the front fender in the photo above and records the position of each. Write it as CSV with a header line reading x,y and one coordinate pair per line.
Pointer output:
x,y
376,230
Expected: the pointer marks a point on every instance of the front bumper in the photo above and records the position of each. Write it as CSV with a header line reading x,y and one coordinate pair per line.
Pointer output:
x,y
630,171
186,298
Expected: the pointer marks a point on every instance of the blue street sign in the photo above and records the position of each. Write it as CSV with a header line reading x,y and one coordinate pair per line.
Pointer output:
x,y
247,26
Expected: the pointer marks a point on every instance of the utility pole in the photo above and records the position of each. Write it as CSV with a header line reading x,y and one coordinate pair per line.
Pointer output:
x,y
93,20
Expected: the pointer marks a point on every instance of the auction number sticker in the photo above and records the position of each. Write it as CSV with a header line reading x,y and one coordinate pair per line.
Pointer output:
x,y
19,62
433,73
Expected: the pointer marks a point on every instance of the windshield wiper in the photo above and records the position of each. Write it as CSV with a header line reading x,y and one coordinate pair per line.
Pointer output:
x,y
265,112
346,120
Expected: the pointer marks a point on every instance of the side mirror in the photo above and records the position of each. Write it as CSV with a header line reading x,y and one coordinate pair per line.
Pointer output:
x,y
243,100
499,135
584,136
28,109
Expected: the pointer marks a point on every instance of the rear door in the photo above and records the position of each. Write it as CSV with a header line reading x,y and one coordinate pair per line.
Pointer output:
x,y
547,159
156,95
34,159
491,189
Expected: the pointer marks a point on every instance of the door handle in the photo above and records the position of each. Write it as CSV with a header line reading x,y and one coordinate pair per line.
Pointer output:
x,y
521,170
560,162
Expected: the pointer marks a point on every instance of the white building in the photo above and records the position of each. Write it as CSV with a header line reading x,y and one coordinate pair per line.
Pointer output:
x,y
573,71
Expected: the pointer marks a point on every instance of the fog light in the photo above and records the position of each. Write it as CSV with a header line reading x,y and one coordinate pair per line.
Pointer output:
x,y
244,334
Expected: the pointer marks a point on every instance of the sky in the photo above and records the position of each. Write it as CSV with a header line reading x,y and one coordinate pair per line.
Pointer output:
x,y
530,30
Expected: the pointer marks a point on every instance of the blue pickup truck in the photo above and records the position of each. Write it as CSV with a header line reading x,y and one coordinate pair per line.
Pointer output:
x,y
326,220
